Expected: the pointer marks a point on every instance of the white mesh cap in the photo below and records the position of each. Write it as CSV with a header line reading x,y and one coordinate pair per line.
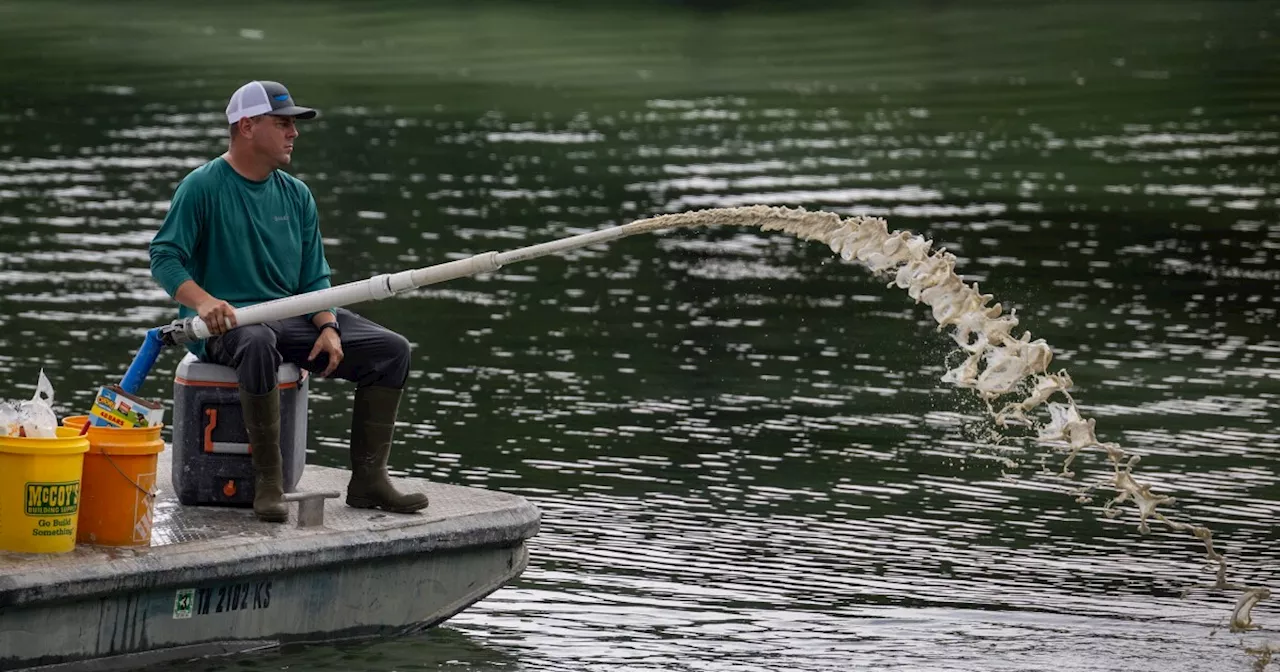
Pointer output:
x,y
262,97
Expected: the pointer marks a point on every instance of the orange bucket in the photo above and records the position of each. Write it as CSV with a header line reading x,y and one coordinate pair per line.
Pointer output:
x,y
117,490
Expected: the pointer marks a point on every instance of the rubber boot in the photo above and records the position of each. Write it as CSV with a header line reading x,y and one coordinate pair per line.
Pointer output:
x,y
262,423
373,422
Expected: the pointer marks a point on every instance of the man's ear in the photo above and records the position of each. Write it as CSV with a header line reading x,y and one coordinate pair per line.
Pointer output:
x,y
246,126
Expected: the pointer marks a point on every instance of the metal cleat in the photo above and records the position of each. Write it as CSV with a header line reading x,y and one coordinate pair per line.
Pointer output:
x,y
310,506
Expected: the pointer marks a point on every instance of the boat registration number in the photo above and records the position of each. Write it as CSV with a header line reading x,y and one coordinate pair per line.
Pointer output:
x,y
221,599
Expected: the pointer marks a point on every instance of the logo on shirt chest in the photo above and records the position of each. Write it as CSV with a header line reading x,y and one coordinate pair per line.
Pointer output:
x,y
280,218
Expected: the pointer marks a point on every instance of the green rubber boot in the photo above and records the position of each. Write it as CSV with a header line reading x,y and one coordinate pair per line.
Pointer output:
x,y
262,423
373,422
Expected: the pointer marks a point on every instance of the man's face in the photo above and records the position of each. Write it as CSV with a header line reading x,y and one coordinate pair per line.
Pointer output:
x,y
272,138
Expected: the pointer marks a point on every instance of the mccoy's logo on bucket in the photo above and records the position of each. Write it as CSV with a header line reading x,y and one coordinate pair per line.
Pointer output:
x,y
53,499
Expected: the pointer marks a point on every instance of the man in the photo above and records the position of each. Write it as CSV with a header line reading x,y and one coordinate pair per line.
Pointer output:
x,y
241,231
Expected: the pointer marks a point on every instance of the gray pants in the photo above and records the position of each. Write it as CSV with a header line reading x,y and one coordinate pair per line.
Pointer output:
x,y
372,354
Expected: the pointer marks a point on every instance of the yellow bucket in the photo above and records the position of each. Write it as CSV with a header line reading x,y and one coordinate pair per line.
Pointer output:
x,y
40,491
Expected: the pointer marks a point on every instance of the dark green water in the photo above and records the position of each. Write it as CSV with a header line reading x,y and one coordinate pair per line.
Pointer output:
x,y
741,446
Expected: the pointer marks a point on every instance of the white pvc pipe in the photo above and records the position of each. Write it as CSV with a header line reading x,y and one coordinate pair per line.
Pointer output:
x,y
382,286
572,242
369,289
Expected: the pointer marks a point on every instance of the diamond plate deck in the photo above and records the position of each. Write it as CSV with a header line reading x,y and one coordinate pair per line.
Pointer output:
x,y
216,542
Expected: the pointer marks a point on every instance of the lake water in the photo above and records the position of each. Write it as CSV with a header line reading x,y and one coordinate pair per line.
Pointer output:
x,y
741,445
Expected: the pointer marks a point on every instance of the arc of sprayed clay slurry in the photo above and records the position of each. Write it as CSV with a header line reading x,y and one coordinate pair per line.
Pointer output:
x,y
997,363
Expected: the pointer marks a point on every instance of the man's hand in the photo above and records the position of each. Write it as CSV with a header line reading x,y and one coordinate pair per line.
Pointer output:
x,y
217,314
328,342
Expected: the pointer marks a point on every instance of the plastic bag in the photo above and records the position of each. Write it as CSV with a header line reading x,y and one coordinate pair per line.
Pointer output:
x,y
39,420
10,420
34,418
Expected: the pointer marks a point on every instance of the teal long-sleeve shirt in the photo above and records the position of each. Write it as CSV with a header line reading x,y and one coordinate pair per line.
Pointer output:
x,y
242,241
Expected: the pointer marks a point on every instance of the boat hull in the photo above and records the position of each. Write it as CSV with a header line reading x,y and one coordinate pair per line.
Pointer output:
x,y
215,580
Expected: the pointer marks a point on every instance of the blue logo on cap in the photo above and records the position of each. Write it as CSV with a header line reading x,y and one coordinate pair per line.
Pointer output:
x,y
282,97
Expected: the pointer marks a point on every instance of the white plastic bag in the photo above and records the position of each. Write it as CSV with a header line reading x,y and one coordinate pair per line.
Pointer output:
x,y
10,420
36,417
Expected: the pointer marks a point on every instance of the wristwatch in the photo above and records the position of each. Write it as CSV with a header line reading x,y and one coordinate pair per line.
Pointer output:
x,y
332,325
